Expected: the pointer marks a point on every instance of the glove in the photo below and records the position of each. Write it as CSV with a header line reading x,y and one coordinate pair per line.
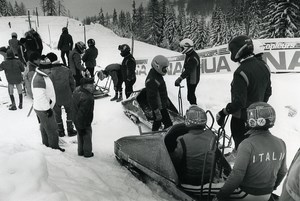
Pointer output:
x,y
220,117
157,115
49,113
178,81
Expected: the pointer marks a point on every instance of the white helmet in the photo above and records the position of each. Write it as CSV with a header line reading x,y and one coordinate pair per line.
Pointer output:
x,y
186,45
160,63
258,47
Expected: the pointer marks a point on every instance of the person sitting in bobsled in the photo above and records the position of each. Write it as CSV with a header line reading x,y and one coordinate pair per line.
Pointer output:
x,y
114,70
189,154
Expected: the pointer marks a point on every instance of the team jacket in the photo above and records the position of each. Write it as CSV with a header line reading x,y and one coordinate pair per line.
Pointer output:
x,y
157,95
89,57
128,68
291,188
259,167
197,143
13,69
191,68
251,83
63,82
75,62
65,42
83,108
43,92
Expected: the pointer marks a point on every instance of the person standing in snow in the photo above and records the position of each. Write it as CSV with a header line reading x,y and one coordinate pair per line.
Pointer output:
x,y
14,43
114,70
65,45
260,165
251,83
193,148
13,71
191,70
156,90
64,85
83,114
33,42
76,65
44,99
33,63
290,188
128,70
90,55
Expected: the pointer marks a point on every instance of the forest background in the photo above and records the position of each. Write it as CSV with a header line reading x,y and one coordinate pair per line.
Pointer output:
x,y
208,23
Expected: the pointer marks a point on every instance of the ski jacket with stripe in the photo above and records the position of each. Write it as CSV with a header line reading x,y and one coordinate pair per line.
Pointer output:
x,y
291,188
63,82
251,83
83,107
89,57
191,68
128,68
259,167
43,92
157,95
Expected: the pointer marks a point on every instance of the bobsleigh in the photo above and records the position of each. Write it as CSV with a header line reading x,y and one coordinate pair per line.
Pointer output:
x,y
101,91
148,154
137,109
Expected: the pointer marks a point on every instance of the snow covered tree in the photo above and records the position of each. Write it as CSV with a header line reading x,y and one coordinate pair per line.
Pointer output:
x,y
48,7
115,18
141,33
3,8
218,29
170,28
134,19
61,9
101,16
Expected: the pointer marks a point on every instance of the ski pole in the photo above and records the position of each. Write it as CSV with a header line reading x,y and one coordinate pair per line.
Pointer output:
x,y
30,110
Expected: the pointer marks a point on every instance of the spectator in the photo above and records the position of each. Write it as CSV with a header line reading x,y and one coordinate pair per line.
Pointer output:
x,y
76,65
33,42
90,55
14,43
64,85
33,63
83,107
13,71
65,45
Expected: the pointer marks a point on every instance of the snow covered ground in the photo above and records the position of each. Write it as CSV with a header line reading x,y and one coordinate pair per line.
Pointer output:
x,y
29,171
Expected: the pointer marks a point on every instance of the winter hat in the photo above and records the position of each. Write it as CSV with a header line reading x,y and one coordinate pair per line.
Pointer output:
x,y
45,64
14,34
86,80
52,57
10,54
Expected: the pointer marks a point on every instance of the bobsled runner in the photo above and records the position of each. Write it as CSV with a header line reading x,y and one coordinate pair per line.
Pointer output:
x,y
149,155
137,109
102,91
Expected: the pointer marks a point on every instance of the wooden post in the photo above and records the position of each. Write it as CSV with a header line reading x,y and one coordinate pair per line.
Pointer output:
x,y
29,19
132,44
37,16
84,33
49,37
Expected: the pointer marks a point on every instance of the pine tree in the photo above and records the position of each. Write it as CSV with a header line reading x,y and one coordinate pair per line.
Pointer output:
x,y
141,32
170,28
101,16
115,18
10,9
3,8
134,19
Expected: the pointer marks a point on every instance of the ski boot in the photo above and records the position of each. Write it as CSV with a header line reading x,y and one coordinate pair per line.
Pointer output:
x,y
71,131
120,98
21,101
61,130
13,103
115,97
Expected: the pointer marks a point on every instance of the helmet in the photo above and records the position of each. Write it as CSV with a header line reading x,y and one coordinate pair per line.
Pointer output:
x,y
258,47
160,64
186,45
64,29
101,75
52,56
260,115
240,47
91,42
80,46
195,117
125,50
14,34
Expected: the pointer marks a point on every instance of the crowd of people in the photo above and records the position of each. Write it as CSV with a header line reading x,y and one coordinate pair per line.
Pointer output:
x,y
260,163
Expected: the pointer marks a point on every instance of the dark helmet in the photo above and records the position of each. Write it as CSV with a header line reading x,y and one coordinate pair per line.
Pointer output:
x,y
52,56
160,64
80,46
14,35
195,117
125,50
260,115
91,42
240,47
64,29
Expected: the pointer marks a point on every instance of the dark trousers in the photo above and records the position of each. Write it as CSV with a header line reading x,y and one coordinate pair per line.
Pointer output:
x,y
84,138
166,120
48,128
62,55
77,78
91,70
238,130
57,110
191,97
129,87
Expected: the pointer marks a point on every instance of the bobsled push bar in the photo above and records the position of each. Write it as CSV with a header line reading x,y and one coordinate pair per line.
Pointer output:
x,y
102,91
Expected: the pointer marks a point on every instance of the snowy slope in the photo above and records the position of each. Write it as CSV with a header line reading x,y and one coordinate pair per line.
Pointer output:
x,y
29,171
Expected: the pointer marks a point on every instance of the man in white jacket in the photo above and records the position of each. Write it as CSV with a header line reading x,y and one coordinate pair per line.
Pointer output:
x,y
44,100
